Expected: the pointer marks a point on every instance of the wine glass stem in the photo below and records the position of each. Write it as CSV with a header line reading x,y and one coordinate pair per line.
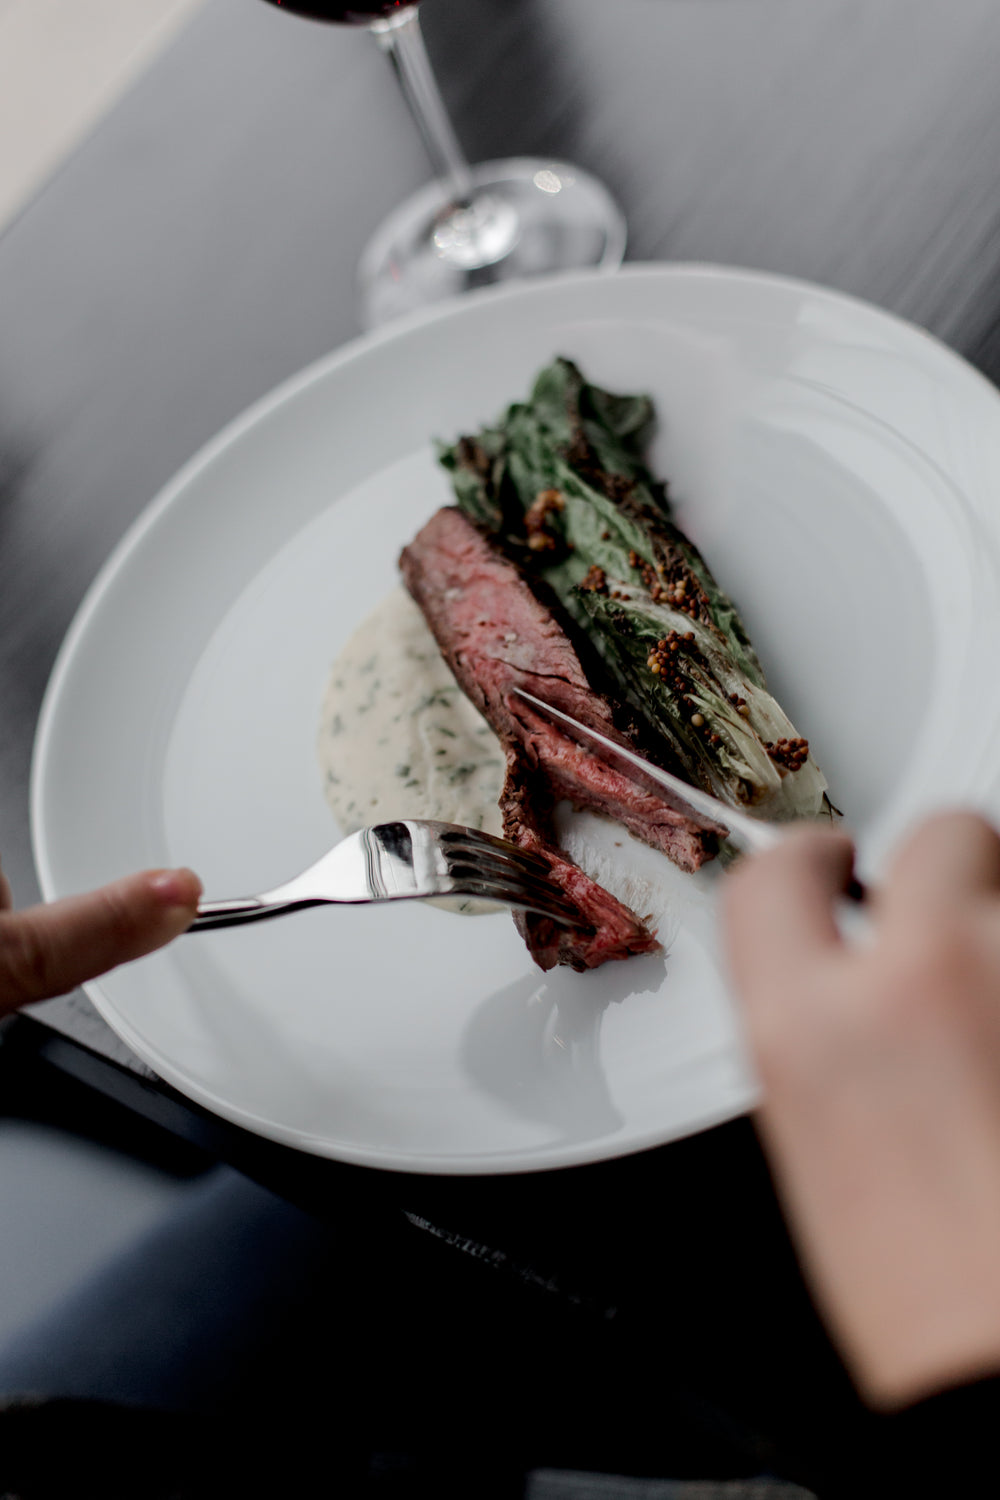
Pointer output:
x,y
402,39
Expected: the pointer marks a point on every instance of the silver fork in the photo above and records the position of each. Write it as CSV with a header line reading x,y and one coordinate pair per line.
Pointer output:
x,y
406,861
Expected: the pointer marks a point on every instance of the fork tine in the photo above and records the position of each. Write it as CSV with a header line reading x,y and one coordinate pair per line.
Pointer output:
x,y
501,871
500,864
482,866
539,895
539,890
483,845
487,868
543,904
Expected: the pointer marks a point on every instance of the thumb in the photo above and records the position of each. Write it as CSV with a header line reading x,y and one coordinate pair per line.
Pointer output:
x,y
49,949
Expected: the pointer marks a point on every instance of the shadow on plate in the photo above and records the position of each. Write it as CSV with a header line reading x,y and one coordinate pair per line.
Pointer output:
x,y
535,1045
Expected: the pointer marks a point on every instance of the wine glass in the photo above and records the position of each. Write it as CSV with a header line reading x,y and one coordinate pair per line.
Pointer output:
x,y
474,225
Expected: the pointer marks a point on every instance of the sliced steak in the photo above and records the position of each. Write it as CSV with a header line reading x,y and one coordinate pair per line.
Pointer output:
x,y
608,929
495,634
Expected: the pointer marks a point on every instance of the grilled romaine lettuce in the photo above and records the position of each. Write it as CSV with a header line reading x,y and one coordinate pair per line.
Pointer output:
x,y
562,487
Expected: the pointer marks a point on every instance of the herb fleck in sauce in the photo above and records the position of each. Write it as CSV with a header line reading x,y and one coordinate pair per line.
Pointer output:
x,y
398,737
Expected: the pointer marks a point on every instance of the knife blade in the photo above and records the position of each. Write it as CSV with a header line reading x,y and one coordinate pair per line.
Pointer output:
x,y
750,834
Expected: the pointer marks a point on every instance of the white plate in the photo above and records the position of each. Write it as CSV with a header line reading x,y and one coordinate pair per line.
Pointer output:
x,y
841,471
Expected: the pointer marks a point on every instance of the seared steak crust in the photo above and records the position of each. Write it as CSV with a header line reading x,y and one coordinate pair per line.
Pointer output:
x,y
495,634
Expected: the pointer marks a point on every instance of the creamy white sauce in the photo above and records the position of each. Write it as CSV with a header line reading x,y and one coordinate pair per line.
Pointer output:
x,y
398,737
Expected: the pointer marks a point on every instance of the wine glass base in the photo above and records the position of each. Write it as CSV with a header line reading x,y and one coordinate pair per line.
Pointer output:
x,y
525,218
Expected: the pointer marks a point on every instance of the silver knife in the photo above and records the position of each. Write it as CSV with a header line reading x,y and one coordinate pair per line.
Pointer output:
x,y
752,835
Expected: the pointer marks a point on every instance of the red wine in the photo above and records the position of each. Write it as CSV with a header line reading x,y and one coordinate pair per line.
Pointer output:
x,y
354,12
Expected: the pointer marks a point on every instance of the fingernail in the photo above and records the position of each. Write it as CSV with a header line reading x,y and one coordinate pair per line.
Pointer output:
x,y
176,887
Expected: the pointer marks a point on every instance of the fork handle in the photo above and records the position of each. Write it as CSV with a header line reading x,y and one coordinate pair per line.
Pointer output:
x,y
213,914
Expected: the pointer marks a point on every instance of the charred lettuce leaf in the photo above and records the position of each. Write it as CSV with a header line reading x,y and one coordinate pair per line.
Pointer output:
x,y
562,487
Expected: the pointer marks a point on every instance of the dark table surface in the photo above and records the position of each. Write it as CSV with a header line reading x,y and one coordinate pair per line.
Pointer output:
x,y
200,246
